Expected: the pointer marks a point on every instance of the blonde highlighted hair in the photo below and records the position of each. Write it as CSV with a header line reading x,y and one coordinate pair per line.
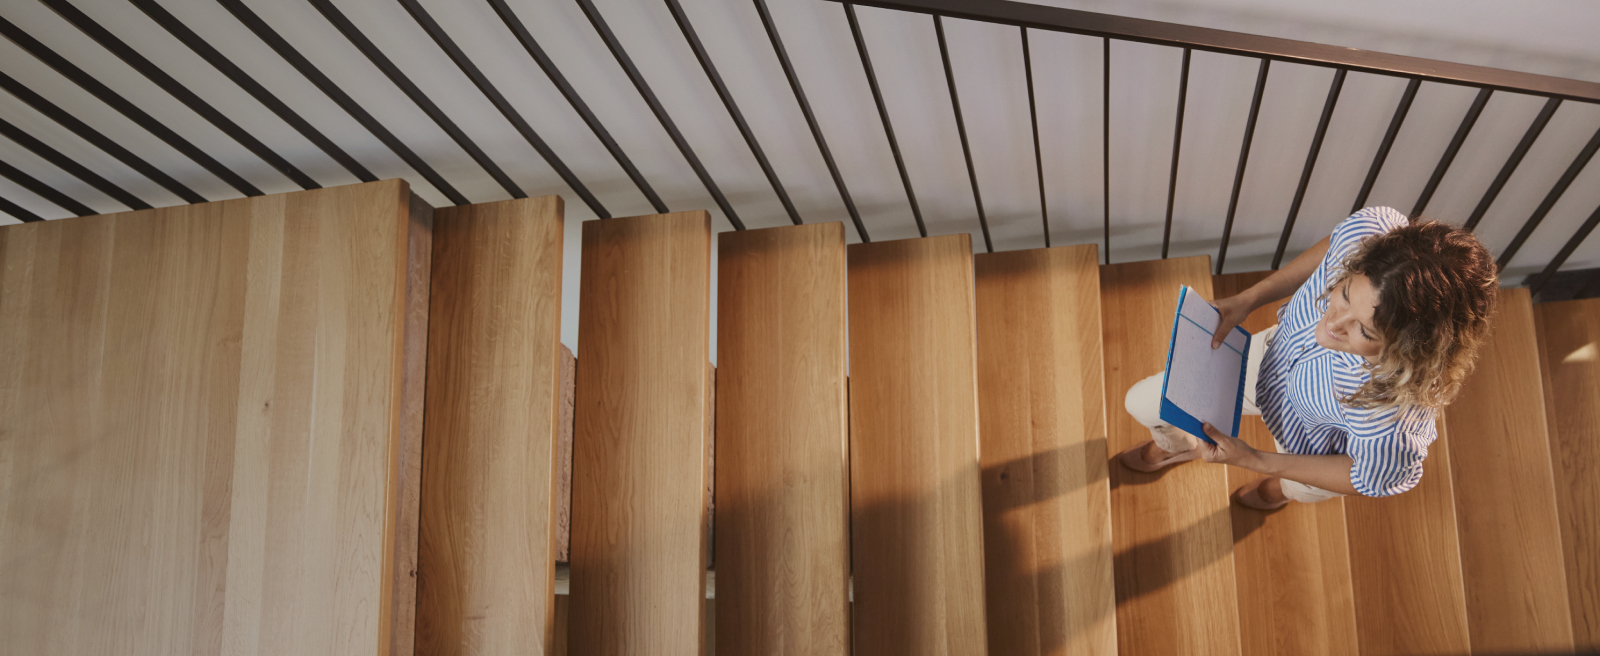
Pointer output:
x,y
1436,289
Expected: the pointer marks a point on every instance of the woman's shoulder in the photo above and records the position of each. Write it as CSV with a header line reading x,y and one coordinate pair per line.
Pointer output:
x,y
1365,223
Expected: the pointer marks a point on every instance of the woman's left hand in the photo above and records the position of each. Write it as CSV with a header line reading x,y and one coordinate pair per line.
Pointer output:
x,y
1227,450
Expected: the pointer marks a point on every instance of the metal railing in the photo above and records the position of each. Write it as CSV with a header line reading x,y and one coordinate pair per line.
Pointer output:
x,y
1025,17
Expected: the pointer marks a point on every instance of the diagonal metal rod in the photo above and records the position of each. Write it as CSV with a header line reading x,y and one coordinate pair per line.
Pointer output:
x,y
961,127
1177,140
189,99
1244,156
499,101
376,56
1510,167
339,97
1550,199
811,119
22,138
1038,155
1311,163
125,107
1105,145
1537,282
99,140
615,46
43,190
1450,151
16,210
1399,118
883,113
733,108
520,30
187,36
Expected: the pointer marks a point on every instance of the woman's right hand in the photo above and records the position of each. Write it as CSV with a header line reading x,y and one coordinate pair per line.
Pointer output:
x,y
1231,312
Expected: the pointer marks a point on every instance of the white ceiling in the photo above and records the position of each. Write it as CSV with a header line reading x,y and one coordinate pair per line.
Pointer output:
x,y
1553,37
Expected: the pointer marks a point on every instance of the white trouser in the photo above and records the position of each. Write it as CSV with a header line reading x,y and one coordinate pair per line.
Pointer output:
x,y
1144,403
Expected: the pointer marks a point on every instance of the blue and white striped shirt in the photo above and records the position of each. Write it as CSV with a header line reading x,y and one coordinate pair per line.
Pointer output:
x,y
1300,383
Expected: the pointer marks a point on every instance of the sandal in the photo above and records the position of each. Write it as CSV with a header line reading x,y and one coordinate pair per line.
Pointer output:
x,y
1249,496
1134,458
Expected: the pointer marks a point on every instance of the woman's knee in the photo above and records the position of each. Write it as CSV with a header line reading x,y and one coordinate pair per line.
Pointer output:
x,y
1143,400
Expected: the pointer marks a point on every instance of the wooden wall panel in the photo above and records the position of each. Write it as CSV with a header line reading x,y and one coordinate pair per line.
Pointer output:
x,y
202,431
783,560
638,473
1570,349
1405,566
1292,566
1041,404
1171,530
1505,493
916,499
488,510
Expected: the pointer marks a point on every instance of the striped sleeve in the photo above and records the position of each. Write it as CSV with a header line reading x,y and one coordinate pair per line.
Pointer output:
x,y
1388,455
1348,235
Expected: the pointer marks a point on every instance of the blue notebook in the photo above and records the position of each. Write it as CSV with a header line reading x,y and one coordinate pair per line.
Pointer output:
x,y
1201,384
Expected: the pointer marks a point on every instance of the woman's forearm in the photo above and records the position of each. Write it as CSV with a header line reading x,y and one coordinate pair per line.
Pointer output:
x,y
1283,282
1331,472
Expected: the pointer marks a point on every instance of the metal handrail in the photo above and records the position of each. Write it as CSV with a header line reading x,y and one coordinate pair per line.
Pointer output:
x,y
1142,30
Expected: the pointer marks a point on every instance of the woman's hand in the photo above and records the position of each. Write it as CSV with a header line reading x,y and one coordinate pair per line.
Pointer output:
x,y
1231,312
1228,450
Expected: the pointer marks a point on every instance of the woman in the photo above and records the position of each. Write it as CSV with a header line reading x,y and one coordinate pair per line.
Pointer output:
x,y
1385,320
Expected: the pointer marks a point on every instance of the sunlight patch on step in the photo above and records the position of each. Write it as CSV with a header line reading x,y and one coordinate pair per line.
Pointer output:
x,y
1588,353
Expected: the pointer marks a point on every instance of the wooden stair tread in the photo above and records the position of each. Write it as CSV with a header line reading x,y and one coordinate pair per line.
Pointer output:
x,y
1171,530
1405,566
916,501
783,560
1569,344
1505,493
638,469
1293,565
492,425
1047,523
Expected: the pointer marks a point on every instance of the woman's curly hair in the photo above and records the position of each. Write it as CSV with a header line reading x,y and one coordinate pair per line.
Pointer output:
x,y
1436,289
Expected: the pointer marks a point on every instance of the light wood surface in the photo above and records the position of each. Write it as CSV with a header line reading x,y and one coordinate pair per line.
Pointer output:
x,y
638,470
1292,565
1405,566
408,454
1570,348
1505,493
916,499
1171,530
201,427
1041,403
569,373
488,512
782,539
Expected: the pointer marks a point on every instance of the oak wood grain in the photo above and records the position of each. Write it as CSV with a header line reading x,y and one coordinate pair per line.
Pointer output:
x,y
1570,332
1293,565
408,448
1405,565
1170,530
488,513
201,430
916,499
638,469
1505,493
782,538
1041,404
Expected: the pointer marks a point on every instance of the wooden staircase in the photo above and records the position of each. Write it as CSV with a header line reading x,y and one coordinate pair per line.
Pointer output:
x,y
953,495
